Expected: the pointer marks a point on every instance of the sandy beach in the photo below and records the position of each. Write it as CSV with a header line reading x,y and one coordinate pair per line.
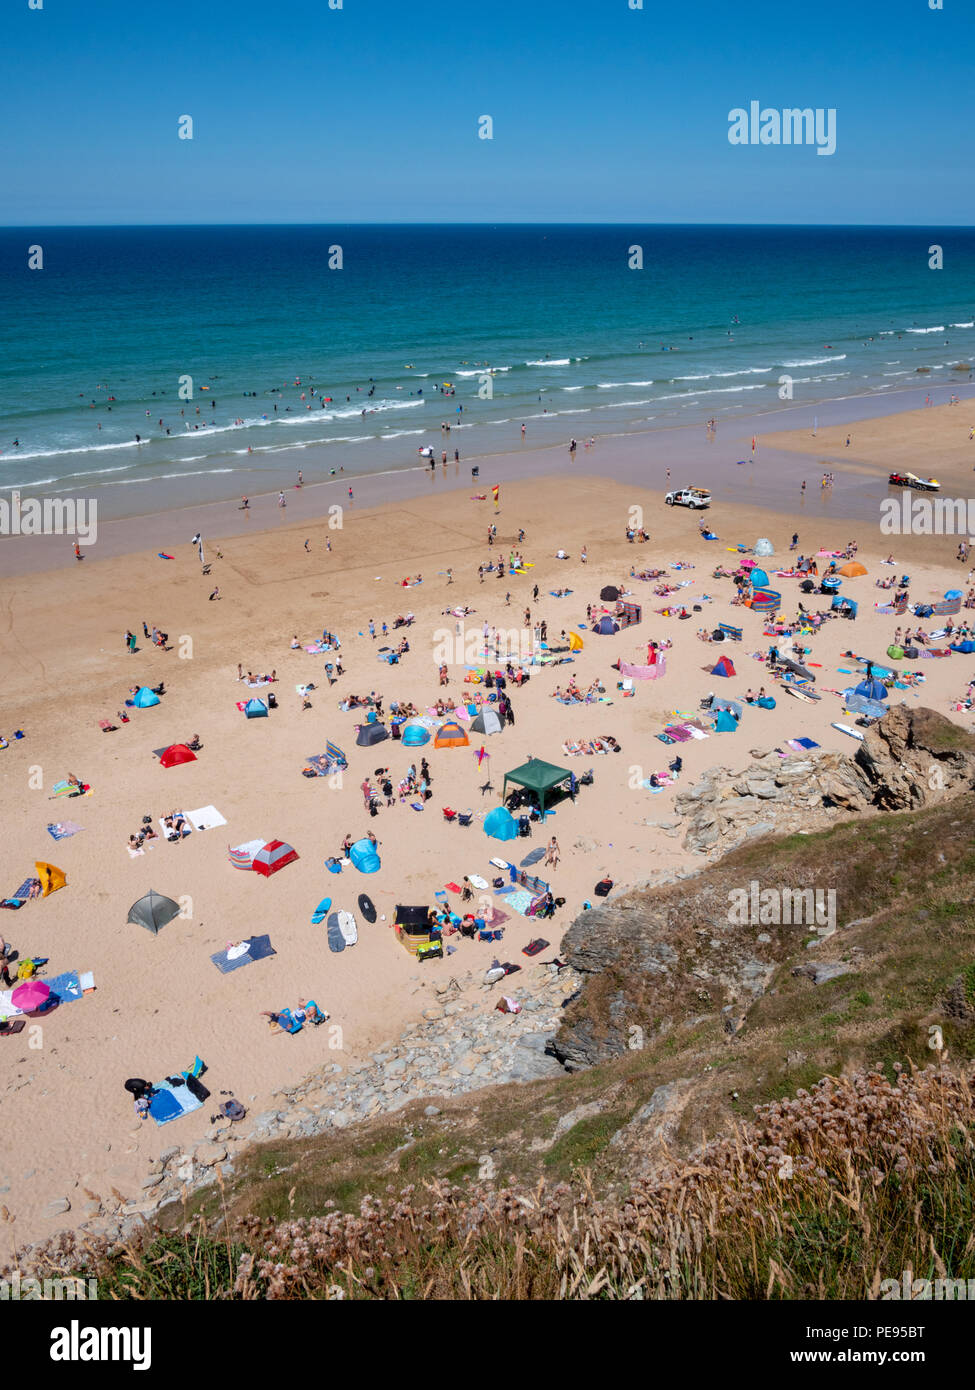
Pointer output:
x,y
158,1000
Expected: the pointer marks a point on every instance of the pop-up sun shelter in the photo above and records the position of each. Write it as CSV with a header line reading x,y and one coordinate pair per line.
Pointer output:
x,y
724,666
606,626
255,709
272,857
487,722
871,690
364,856
758,577
175,754
153,912
415,735
145,697
853,570
450,735
500,824
725,722
538,777
371,733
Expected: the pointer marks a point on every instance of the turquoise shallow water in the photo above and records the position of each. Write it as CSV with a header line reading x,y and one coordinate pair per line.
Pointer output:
x,y
579,343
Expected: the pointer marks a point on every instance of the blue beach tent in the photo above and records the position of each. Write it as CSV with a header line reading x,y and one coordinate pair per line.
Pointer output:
x,y
255,709
364,856
145,697
500,824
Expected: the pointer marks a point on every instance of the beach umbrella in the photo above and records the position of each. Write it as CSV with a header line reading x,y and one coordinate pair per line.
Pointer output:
x,y
30,995
609,593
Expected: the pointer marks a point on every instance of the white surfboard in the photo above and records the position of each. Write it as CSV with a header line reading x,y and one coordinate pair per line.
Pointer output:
x,y
845,729
348,928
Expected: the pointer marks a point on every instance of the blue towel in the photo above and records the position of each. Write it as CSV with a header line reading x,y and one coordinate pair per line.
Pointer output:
x,y
66,986
168,1103
260,949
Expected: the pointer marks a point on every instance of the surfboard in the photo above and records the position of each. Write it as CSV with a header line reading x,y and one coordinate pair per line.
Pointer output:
x,y
336,941
366,908
845,729
319,914
799,694
347,927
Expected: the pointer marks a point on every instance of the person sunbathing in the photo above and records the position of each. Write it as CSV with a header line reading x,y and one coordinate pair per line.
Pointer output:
x,y
194,743
308,1011
148,833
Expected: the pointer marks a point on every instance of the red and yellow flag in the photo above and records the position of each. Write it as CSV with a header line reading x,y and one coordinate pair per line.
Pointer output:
x,y
496,494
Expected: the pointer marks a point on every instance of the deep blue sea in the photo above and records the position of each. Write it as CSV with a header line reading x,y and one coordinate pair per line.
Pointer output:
x,y
362,364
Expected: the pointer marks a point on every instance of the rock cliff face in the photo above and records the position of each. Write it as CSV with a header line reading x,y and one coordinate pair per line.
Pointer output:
x,y
668,953
911,758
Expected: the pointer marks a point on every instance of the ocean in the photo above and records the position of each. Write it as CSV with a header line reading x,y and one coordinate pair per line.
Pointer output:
x,y
255,354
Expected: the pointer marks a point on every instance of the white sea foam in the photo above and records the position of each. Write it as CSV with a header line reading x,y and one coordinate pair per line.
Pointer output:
x,y
815,361
939,328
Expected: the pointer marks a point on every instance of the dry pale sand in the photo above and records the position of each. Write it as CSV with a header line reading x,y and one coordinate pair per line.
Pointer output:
x,y
67,1122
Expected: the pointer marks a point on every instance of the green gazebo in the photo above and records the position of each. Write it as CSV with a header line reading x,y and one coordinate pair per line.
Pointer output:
x,y
536,776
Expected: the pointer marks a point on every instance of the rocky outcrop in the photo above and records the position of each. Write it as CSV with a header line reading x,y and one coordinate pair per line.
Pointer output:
x,y
910,759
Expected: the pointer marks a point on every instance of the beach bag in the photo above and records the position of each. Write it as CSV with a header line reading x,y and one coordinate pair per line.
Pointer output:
x,y
25,971
911,653
603,887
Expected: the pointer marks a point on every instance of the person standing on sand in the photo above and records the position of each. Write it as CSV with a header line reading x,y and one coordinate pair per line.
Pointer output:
x,y
281,501
306,545
552,853
372,629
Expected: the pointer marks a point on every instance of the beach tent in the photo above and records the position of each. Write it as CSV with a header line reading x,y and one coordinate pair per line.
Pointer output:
x,y
274,855
500,824
953,593
610,594
852,570
575,642
487,722
537,776
844,604
606,626
175,754
255,709
450,735
871,690
371,733
724,666
734,706
758,578
145,697
415,735
364,856
766,601
725,723
763,547
52,878
153,912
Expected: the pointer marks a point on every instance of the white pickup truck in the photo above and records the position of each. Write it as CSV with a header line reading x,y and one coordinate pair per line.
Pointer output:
x,y
696,497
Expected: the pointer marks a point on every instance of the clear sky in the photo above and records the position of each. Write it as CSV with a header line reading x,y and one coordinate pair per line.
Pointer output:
x,y
369,113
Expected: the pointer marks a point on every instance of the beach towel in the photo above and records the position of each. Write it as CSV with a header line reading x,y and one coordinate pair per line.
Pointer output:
x,y
164,830
172,1101
801,745
63,830
30,888
205,818
232,958
520,901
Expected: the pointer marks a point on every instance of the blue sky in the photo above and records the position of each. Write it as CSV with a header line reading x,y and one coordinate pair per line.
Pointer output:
x,y
369,113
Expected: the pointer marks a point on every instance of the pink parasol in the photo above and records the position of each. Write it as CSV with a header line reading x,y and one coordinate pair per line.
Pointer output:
x,y
30,995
